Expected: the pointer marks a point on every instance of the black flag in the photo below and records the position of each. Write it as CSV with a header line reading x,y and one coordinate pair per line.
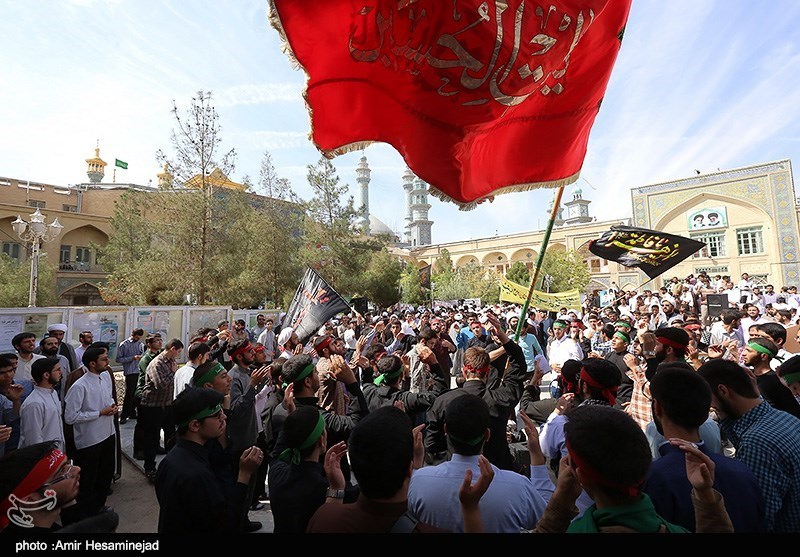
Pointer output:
x,y
425,277
652,251
313,304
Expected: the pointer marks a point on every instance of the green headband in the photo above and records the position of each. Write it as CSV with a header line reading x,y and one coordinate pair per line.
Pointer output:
x,y
209,376
468,442
561,324
305,373
623,336
291,455
205,413
388,376
791,378
763,349
623,324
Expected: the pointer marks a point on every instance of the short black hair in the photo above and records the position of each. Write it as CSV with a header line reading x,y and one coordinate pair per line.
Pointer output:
x,y
138,333
730,374
775,331
190,402
388,365
467,419
19,337
42,366
610,443
91,354
197,349
682,395
298,426
381,449
294,366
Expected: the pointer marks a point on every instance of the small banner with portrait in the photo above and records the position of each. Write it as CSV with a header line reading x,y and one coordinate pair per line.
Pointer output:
x,y
313,304
651,251
425,277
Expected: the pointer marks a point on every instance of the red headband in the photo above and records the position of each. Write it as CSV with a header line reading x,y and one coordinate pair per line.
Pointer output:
x,y
323,345
481,371
672,343
591,473
241,350
610,393
258,349
33,481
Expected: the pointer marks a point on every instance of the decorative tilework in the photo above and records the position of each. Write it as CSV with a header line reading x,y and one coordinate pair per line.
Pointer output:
x,y
728,175
787,225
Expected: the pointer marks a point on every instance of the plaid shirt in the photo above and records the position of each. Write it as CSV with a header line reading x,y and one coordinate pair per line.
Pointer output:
x,y
768,441
159,381
640,408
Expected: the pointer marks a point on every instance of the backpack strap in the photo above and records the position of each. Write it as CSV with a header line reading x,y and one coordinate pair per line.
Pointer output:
x,y
405,524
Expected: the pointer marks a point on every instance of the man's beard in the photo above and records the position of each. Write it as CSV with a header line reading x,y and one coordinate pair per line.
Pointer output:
x,y
660,356
50,353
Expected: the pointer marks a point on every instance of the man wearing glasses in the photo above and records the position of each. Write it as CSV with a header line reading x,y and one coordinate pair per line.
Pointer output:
x,y
36,482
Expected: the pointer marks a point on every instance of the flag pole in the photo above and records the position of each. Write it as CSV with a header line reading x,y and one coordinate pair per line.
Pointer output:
x,y
539,260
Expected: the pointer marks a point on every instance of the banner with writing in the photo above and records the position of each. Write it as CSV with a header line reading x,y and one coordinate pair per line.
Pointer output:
x,y
313,304
651,251
517,294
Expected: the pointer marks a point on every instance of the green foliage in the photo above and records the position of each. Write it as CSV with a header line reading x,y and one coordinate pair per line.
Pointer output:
x,y
381,283
519,273
469,281
567,269
16,280
411,291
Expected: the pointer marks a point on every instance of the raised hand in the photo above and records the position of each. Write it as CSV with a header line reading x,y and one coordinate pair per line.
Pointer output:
x,y
333,465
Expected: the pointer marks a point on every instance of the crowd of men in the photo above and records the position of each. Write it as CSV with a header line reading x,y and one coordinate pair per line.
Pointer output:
x,y
646,415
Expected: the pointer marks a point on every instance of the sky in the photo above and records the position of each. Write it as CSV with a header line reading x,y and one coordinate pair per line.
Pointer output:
x,y
698,85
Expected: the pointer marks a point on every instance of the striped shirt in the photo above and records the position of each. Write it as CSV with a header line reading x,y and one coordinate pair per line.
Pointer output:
x,y
768,441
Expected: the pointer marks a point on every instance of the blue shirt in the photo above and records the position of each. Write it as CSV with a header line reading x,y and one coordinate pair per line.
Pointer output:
x,y
670,490
125,353
463,338
530,349
768,441
511,503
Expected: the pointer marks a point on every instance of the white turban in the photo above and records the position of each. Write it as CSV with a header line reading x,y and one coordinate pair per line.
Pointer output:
x,y
57,327
285,335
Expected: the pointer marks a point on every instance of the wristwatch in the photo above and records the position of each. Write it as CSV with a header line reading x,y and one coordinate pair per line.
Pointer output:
x,y
335,493
649,353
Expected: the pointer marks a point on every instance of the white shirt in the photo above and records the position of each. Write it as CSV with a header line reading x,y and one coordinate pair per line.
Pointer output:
x,y
24,368
559,351
79,353
182,377
350,339
84,401
40,419
267,338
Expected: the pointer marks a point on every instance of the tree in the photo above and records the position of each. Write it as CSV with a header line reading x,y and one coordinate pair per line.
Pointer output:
x,y
382,279
567,269
519,273
332,241
16,281
196,142
410,288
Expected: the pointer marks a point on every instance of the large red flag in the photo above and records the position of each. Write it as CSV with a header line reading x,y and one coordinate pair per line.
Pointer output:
x,y
478,97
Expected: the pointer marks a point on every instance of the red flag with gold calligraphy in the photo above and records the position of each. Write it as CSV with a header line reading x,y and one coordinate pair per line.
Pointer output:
x,y
478,97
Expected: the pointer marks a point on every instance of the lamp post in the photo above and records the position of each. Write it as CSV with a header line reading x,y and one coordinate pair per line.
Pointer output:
x,y
36,231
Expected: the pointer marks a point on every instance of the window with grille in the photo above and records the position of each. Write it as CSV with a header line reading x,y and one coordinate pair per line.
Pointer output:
x,y
715,244
71,208
83,255
37,204
750,240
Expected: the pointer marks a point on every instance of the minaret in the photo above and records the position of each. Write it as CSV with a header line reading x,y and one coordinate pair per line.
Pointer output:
x,y
165,178
559,220
578,208
96,169
362,177
408,186
420,225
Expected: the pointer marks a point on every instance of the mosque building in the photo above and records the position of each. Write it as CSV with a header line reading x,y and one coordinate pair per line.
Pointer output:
x,y
747,217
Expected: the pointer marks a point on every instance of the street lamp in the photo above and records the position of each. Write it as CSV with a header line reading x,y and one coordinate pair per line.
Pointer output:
x,y
36,232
